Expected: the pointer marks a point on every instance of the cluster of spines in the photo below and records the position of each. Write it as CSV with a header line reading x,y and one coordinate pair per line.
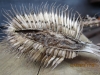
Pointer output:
x,y
37,52
57,19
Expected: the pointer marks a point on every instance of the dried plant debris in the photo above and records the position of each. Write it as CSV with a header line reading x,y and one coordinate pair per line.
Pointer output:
x,y
91,21
48,34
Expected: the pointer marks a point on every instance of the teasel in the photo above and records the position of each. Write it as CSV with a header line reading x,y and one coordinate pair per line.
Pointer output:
x,y
48,34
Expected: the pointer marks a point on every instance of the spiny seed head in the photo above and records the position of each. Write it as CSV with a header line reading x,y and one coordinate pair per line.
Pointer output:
x,y
47,34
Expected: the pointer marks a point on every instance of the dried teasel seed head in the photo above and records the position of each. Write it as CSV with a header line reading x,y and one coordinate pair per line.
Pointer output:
x,y
48,34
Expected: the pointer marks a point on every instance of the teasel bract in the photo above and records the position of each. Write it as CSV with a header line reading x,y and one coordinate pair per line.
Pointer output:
x,y
47,33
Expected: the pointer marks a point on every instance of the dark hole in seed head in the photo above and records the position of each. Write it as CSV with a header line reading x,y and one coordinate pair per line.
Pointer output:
x,y
46,21
26,21
35,21
31,21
